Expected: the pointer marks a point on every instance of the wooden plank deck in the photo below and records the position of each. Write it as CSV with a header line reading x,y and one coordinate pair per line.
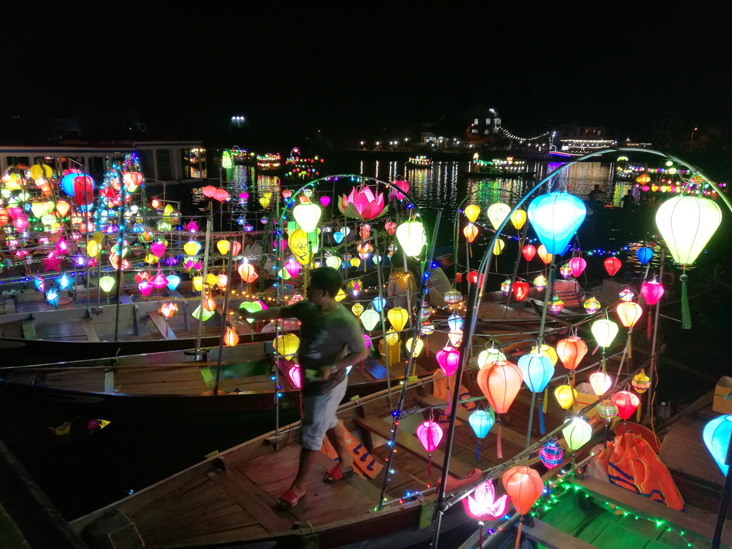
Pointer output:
x,y
161,325
552,538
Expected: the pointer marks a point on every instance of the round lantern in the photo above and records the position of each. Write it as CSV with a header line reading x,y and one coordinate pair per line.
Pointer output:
x,y
470,232
544,255
686,224
500,384
472,212
629,313
604,331
641,382
644,255
566,396
577,265
369,318
307,216
398,317
540,282
537,371
497,213
488,356
652,291
546,350
231,338
518,218
626,402
551,454
287,345
529,251
520,290
556,305
600,383
412,237
626,294
577,433
524,486
612,265
556,217
453,296
591,306
571,351
716,437
606,409
448,358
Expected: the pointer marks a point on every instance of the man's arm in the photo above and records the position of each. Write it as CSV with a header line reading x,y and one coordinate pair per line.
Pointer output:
x,y
266,314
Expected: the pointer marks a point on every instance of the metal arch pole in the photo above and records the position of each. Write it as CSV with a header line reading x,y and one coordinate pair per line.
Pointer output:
x,y
380,279
120,238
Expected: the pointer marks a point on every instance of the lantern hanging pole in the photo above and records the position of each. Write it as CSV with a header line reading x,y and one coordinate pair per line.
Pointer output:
x,y
120,238
396,415
654,350
380,279
223,319
206,252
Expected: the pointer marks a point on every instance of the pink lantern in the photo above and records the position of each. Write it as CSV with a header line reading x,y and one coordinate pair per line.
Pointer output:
x,y
364,231
62,247
145,287
482,503
577,264
287,193
325,201
362,204
292,267
158,249
160,281
20,222
429,434
208,191
652,291
448,358
295,376
390,227
403,185
626,402
221,195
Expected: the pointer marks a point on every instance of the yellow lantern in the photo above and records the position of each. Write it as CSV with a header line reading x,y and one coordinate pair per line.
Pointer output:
x,y
498,247
391,336
223,246
472,212
298,243
265,200
357,309
548,352
333,261
198,283
98,236
287,345
211,279
414,346
566,396
191,247
497,213
518,219
151,259
355,262
92,248
398,317
341,295
231,338
39,208
545,256
307,216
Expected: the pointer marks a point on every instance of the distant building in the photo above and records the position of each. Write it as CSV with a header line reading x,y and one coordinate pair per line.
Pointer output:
x,y
584,138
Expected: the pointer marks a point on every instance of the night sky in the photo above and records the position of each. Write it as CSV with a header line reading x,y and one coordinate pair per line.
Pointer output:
x,y
361,68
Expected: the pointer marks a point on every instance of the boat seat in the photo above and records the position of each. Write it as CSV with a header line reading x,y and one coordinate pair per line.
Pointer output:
x,y
410,443
551,537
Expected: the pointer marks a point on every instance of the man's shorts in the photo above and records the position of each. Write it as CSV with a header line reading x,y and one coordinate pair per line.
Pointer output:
x,y
319,415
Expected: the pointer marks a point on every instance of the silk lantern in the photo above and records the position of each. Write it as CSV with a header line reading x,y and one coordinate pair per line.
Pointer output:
x,y
600,383
577,265
604,331
644,255
571,351
566,396
357,309
641,382
412,237
591,306
497,213
551,454
520,290
106,283
612,265
540,282
652,291
470,232
448,359
577,433
488,356
500,384
398,317
307,216
626,402
518,219
716,437
537,371
546,350
369,318
481,422
429,434
629,313
287,345
472,212
528,251
556,217
414,346
544,254
565,270
524,486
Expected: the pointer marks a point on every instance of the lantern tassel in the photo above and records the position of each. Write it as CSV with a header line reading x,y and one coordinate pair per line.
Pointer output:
x,y
685,312
604,444
429,466
481,535
542,430
477,452
518,534
499,449
648,329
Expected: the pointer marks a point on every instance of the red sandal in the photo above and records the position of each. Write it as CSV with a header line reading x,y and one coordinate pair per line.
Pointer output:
x,y
288,500
336,473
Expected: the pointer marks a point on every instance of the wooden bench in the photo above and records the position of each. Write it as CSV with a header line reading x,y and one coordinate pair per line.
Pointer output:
x,y
410,443
551,537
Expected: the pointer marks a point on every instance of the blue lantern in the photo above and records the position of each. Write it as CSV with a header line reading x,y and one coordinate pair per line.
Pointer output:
x,y
537,370
716,436
551,454
39,283
481,422
378,304
64,283
173,281
644,255
556,217
455,322
52,297
338,236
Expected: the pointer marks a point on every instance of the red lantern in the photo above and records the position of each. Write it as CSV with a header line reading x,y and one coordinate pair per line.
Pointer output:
x,y
577,265
629,313
529,252
520,290
208,191
652,291
390,227
221,195
83,190
448,358
626,402
470,232
473,277
571,351
500,384
612,265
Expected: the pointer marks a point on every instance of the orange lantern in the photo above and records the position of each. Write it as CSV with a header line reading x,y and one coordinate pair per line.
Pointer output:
x,y
544,255
168,309
209,304
629,313
62,207
524,486
500,383
571,351
247,272
470,232
231,338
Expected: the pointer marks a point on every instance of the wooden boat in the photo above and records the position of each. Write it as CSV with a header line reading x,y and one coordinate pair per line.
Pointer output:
x,y
269,162
419,162
229,498
509,167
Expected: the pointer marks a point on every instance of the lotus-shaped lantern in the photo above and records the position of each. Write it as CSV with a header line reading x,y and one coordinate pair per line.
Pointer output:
x,y
482,504
362,204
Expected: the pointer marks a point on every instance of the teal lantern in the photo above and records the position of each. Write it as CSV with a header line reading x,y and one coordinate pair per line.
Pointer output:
x,y
537,370
481,422
379,303
556,217
716,436
64,283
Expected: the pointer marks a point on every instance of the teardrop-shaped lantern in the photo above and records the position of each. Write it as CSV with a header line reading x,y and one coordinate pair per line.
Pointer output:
x,y
412,237
600,383
546,350
629,313
429,434
604,331
626,402
686,224
518,219
307,216
716,437
566,396
571,351
556,217
537,370
528,251
544,255
524,486
398,317
470,232
500,384
577,433
369,318
414,346
612,265
577,265
652,291
497,213
472,212
448,358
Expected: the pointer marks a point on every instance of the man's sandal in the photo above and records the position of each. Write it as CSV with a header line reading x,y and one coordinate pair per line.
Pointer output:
x,y
288,500
336,473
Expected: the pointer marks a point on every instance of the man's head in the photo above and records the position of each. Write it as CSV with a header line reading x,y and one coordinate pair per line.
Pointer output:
x,y
324,283
248,239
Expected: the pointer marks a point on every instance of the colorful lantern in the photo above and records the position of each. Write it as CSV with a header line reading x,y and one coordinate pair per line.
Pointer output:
x,y
604,331
556,217
577,265
500,384
641,382
612,265
556,305
629,313
626,294
540,282
506,286
571,351
398,317
472,212
565,271
716,437
524,486
453,296
577,433
551,454
307,216
600,383
412,237
528,251
449,359
482,503
626,402
606,409
497,213
488,356
591,306
566,396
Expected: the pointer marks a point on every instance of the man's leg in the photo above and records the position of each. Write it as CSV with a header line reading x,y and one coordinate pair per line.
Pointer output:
x,y
336,438
307,458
